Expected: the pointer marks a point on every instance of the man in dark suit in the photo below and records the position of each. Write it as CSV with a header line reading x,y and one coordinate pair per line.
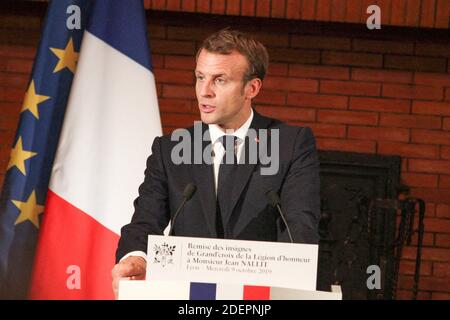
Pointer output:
x,y
230,201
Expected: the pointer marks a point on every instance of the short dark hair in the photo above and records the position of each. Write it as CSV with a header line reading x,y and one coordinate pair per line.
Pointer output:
x,y
227,40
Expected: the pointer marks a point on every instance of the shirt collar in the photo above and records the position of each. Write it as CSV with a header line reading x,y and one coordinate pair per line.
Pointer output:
x,y
215,132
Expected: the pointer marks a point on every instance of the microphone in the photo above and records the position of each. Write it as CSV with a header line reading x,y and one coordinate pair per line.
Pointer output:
x,y
274,200
188,192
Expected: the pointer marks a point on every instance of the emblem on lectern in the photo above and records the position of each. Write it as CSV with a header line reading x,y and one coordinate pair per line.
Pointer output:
x,y
164,254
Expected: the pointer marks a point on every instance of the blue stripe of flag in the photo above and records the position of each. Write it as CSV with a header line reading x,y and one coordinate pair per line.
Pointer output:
x,y
202,291
119,32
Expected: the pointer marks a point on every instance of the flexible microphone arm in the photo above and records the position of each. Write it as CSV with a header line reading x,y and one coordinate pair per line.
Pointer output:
x,y
274,201
188,192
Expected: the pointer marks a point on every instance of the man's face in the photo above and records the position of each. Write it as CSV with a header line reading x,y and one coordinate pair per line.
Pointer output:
x,y
222,97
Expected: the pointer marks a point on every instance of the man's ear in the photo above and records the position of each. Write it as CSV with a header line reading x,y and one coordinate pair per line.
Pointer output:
x,y
252,88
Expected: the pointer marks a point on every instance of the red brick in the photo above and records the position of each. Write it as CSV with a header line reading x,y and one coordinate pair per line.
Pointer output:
x,y
420,180
444,182
178,120
398,13
278,69
320,42
383,46
317,101
14,80
173,47
430,136
350,88
440,296
346,145
431,194
17,51
432,79
156,31
445,152
443,211
410,121
293,9
383,134
271,38
443,240
408,294
294,55
218,6
437,225
337,11
353,12
188,5
291,84
382,105
174,5
428,107
158,4
447,94
415,63
233,7
323,10
327,130
409,268
427,284
172,91
430,48
320,72
412,92
263,8
408,150
427,13
441,269
157,61
248,8
278,9
350,117
180,62
429,166
430,209
381,75
352,59
446,124
203,6
183,33
174,105
286,113
413,13
442,14
271,97
19,65
428,237
8,94
428,254
173,76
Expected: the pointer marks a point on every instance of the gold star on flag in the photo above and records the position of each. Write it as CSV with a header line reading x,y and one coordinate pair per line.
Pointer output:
x,y
18,157
68,57
32,99
29,210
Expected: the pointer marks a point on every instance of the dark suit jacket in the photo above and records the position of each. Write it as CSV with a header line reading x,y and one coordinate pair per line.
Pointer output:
x,y
251,218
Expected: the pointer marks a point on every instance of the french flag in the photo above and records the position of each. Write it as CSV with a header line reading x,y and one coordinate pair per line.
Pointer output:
x,y
110,122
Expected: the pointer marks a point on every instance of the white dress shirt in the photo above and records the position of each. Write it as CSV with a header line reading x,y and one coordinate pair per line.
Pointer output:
x,y
215,133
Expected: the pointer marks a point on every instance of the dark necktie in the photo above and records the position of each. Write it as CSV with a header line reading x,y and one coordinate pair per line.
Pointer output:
x,y
225,183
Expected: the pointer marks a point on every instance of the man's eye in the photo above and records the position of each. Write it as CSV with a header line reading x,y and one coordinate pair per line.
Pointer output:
x,y
199,78
220,81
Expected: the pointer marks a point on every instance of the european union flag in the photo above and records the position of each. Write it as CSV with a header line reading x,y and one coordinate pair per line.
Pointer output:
x,y
28,172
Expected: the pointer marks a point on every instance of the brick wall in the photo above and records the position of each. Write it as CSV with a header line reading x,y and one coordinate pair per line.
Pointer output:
x,y
384,92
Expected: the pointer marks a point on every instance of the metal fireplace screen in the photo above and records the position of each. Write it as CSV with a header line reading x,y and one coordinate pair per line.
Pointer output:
x,y
355,233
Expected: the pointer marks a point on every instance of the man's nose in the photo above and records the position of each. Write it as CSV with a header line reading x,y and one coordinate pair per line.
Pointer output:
x,y
206,90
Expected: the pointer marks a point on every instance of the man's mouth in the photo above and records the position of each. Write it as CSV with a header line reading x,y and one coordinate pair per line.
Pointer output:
x,y
206,108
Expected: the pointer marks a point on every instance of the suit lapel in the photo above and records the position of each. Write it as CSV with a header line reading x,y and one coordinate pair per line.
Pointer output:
x,y
245,169
203,175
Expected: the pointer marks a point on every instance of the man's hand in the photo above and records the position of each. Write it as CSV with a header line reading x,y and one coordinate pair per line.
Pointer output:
x,y
132,268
